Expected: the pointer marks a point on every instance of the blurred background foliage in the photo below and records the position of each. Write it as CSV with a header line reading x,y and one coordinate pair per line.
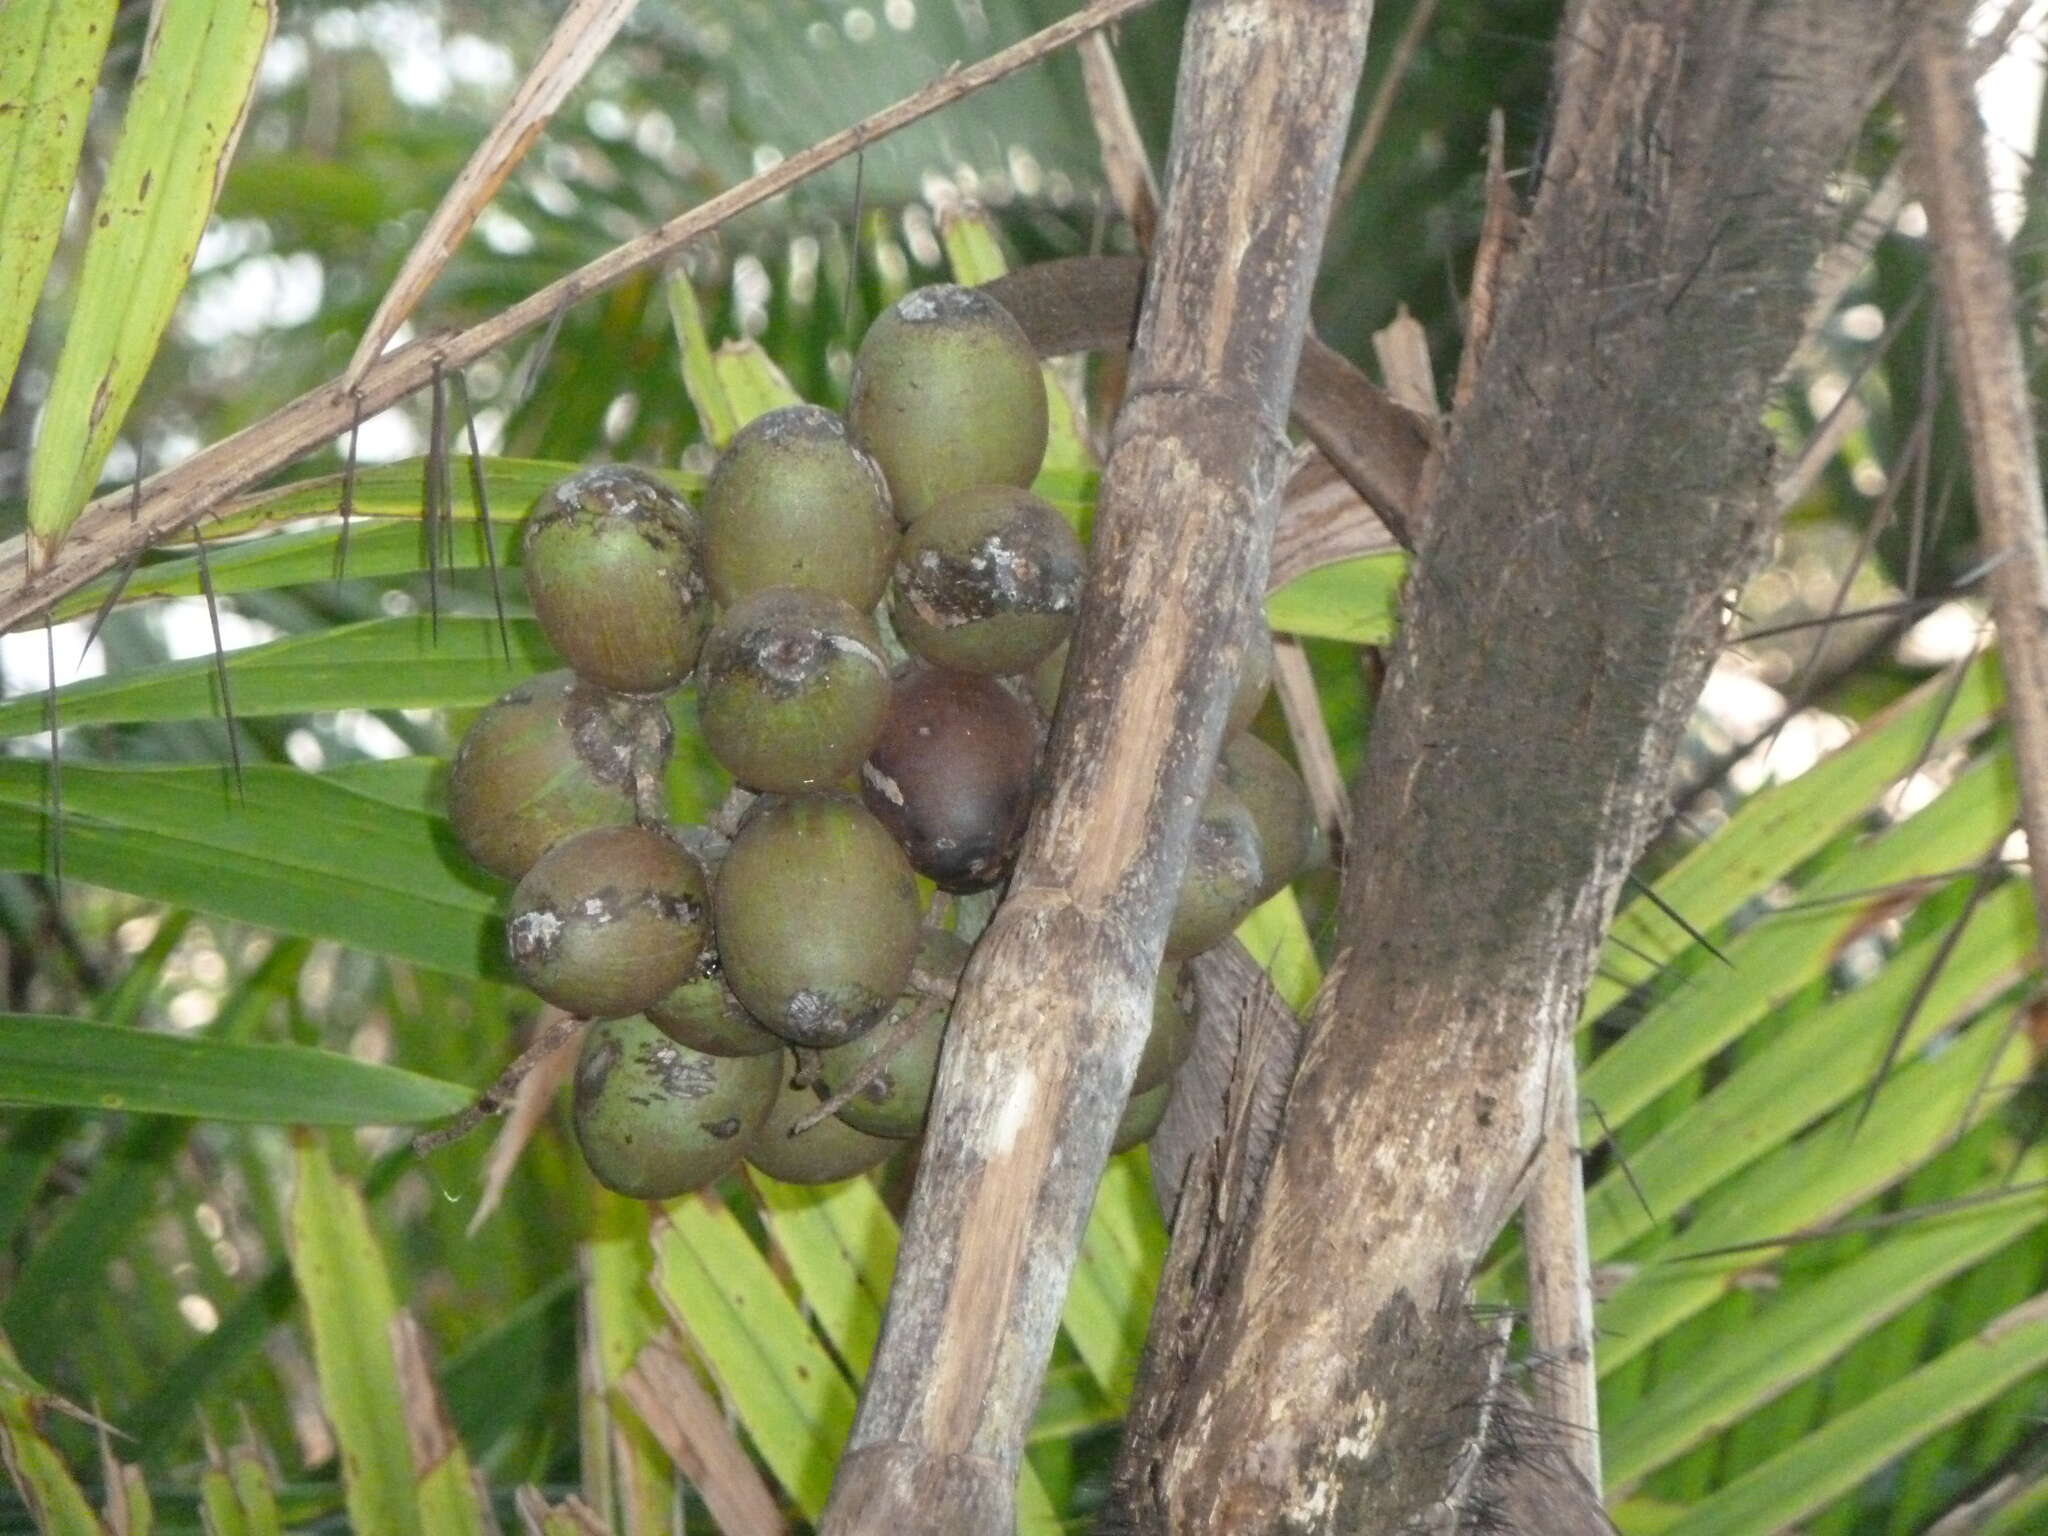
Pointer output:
x,y
1841,837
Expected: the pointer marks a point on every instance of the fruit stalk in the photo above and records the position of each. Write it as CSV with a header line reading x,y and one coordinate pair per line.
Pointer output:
x,y
1057,1000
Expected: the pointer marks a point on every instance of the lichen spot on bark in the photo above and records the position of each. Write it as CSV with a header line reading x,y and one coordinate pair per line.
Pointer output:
x,y
1015,1112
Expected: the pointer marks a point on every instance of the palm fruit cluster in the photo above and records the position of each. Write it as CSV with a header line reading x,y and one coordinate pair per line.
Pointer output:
x,y
873,612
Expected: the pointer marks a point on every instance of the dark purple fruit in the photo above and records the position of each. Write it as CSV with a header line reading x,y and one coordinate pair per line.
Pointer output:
x,y
895,1101
817,919
988,580
791,690
947,394
1171,1038
656,1119
793,503
1278,801
1254,679
951,775
1141,1117
613,571
1223,876
610,921
552,757
827,1152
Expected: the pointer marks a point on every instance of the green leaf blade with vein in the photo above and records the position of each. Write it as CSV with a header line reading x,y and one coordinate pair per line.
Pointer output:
x,y
1773,957
377,664
50,55
55,1502
1789,1343
1837,1456
187,109
84,1065
1816,1179
350,1307
1779,827
300,853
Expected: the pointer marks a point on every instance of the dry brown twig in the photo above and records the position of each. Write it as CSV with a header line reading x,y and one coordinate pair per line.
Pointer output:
x,y
1980,320
579,37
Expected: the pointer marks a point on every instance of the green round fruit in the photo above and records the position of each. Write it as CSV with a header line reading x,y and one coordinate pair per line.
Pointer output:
x,y
1254,680
829,1151
1223,876
792,690
656,1119
947,394
551,757
609,921
1172,1035
951,775
817,919
1273,792
612,568
703,1014
793,503
989,580
1141,1117
896,1100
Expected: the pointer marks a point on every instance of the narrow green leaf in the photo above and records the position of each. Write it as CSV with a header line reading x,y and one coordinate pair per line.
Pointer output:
x,y
1790,1341
1780,827
85,1065
378,664
1276,936
789,1393
752,383
220,1511
349,1307
1780,953
1834,1458
384,546
255,1491
1823,1175
620,1316
1820,1064
1116,1276
55,1503
701,380
299,854
50,53
187,108
1354,600
840,1243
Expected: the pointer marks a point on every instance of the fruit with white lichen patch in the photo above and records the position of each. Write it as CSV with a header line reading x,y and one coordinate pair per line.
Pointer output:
x,y
817,918
551,757
792,690
793,503
947,394
609,921
655,1119
613,572
988,580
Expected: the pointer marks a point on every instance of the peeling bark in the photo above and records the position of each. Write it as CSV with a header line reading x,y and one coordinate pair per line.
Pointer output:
x,y
1054,1007
1608,479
